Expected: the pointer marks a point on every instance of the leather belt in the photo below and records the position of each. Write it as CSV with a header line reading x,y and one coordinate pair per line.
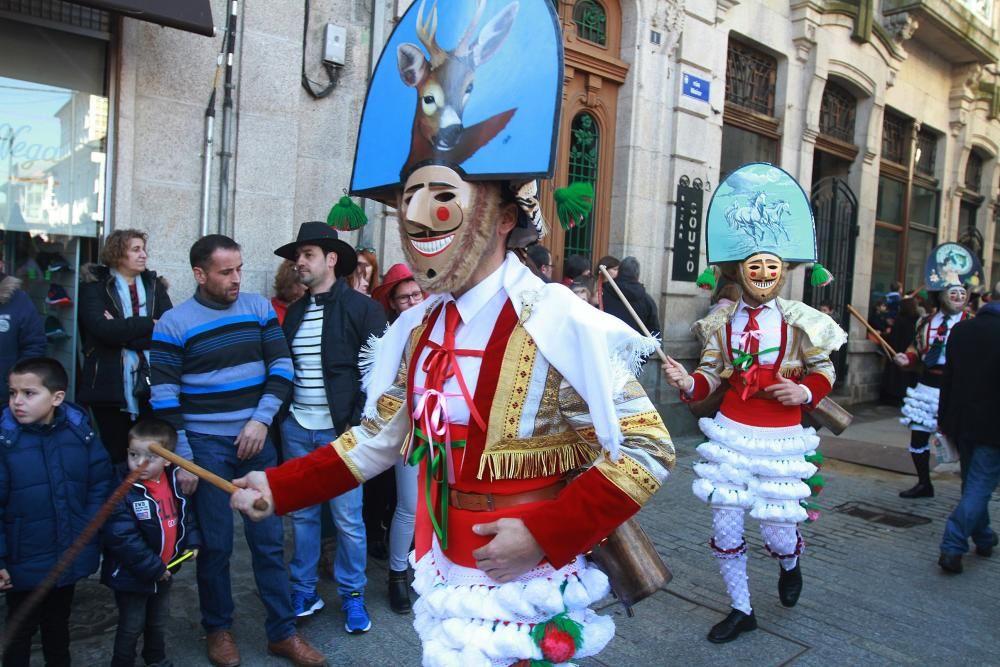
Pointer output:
x,y
487,502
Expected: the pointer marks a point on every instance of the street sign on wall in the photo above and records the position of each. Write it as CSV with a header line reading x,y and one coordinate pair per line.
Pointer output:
x,y
695,87
687,229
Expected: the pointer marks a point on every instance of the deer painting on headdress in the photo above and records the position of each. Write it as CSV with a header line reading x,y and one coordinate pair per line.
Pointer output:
x,y
445,80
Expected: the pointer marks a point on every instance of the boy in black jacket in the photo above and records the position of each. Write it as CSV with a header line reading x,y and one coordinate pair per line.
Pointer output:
x,y
152,527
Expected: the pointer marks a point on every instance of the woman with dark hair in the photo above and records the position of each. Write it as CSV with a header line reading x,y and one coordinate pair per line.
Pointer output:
x,y
611,264
120,301
574,268
635,294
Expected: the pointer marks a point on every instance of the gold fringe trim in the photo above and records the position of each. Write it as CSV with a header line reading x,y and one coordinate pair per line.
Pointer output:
x,y
513,462
792,371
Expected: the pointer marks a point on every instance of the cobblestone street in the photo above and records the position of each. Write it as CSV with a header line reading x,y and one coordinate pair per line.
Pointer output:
x,y
873,593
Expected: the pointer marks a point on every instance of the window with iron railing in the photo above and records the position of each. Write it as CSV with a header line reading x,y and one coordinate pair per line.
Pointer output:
x,y
751,77
591,21
974,172
584,153
925,160
61,13
837,113
894,141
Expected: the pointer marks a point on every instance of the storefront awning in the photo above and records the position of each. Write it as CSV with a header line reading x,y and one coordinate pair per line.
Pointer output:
x,y
191,15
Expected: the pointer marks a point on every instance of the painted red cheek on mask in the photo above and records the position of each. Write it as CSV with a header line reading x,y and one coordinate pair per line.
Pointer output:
x,y
773,273
753,274
443,213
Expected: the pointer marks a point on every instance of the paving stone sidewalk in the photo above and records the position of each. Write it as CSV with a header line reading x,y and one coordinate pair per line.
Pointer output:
x,y
873,593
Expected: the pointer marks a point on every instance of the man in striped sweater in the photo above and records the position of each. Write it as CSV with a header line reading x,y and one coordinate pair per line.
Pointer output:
x,y
220,371
326,331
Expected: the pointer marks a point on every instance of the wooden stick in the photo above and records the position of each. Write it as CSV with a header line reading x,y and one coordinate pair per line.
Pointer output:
x,y
611,281
201,473
881,341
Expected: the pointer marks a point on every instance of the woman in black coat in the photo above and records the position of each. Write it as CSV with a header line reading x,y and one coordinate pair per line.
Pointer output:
x,y
635,293
119,303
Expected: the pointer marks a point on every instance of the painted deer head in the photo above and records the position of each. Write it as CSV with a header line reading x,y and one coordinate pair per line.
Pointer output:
x,y
445,81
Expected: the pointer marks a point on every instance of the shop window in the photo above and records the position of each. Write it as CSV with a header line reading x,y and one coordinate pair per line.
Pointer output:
x,y
837,111
53,159
591,21
584,152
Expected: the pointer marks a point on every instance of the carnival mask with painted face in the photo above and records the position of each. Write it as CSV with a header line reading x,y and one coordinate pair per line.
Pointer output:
x,y
446,226
761,276
953,299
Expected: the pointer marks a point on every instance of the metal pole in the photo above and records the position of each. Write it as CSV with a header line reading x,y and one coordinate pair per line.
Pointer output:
x,y
225,155
206,170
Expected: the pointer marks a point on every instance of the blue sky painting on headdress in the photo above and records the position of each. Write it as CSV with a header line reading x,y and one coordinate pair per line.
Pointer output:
x,y
476,88
760,208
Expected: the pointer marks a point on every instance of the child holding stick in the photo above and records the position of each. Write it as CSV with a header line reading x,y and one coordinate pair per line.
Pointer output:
x,y
151,529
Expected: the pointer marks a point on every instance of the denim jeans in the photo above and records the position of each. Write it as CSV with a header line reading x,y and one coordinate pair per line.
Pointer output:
x,y
971,518
265,538
142,615
51,616
352,548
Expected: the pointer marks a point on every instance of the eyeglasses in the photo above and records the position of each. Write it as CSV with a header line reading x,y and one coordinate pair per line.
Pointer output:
x,y
415,297
362,249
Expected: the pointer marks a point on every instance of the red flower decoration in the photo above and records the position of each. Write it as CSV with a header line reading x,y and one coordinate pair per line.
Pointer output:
x,y
557,645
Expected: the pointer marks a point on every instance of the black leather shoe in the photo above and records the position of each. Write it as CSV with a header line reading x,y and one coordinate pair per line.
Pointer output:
x,y
951,563
790,585
987,550
920,490
730,628
399,592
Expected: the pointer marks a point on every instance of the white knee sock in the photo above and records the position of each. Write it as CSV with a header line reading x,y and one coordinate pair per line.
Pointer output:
x,y
782,540
731,552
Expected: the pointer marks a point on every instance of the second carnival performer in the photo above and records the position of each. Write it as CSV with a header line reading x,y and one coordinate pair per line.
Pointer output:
x,y
517,400
775,356
950,272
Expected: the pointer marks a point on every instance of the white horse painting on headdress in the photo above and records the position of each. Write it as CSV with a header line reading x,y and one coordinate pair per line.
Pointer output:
x,y
758,218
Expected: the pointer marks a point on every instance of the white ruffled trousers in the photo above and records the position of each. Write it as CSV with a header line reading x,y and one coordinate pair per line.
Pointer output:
x,y
761,469
465,619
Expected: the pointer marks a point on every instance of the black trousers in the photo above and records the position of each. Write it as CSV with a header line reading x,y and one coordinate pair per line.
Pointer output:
x,y
113,426
52,616
142,615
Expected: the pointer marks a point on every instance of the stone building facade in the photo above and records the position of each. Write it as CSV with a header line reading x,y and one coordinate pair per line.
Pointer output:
x,y
884,110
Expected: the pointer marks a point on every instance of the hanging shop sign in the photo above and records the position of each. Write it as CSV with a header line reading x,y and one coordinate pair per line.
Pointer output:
x,y
687,229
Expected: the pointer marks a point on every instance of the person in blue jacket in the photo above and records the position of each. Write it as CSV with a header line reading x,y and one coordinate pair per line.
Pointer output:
x,y
54,476
148,530
22,334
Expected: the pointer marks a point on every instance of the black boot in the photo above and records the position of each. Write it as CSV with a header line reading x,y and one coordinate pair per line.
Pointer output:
x,y
923,487
951,563
399,592
790,585
732,626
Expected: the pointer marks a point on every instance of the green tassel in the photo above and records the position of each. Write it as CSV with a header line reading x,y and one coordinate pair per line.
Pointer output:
x,y
923,294
820,276
573,204
706,279
346,216
815,459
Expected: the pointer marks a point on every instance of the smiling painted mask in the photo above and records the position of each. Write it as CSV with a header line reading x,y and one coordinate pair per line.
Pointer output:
x,y
761,276
446,226
954,299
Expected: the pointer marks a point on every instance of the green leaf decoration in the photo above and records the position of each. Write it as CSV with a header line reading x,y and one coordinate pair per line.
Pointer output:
x,y
706,279
820,276
346,216
573,204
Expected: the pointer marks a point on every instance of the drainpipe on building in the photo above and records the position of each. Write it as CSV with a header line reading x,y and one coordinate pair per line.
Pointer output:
x,y
225,154
366,237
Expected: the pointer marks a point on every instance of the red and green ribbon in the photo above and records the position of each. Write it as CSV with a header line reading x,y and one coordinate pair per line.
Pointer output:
x,y
436,456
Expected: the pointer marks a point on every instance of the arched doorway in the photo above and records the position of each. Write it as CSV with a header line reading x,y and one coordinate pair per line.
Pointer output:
x,y
594,73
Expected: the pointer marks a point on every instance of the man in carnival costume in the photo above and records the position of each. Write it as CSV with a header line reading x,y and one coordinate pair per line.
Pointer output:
x,y
775,356
516,400
949,273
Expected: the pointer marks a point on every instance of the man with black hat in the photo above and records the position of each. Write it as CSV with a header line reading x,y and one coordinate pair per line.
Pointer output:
x,y
326,331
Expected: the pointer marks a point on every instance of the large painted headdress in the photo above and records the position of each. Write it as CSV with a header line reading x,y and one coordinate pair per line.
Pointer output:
x,y
952,265
760,208
472,85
